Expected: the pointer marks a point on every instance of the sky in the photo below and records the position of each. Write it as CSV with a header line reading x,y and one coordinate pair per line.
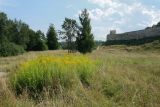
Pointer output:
x,y
106,15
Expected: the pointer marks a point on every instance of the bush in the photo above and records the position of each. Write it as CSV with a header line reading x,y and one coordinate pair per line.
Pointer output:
x,y
41,46
53,74
10,49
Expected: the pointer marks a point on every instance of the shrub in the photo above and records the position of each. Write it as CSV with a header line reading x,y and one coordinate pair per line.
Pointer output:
x,y
53,74
10,49
41,46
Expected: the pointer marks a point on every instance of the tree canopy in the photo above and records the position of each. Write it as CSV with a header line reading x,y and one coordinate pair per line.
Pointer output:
x,y
85,39
17,36
70,28
52,39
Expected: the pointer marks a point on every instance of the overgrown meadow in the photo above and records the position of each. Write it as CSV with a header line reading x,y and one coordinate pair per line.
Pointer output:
x,y
109,77
53,75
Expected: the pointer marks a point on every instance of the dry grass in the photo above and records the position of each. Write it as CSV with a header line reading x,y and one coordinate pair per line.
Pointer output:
x,y
124,79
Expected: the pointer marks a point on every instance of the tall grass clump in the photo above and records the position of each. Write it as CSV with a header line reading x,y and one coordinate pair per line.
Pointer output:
x,y
52,74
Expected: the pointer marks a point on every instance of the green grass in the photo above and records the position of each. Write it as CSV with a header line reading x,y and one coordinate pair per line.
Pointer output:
x,y
124,78
52,74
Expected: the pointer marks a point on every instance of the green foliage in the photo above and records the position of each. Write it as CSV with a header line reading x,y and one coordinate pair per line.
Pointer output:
x,y
37,41
10,49
20,35
52,40
85,39
70,28
77,37
3,20
54,74
23,31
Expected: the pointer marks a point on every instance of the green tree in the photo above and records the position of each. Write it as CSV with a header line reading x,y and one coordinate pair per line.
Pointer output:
x,y
70,28
40,41
37,42
52,40
85,39
10,31
16,37
3,21
9,49
23,33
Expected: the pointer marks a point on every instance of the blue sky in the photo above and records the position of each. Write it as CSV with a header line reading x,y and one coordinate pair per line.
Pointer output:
x,y
122,15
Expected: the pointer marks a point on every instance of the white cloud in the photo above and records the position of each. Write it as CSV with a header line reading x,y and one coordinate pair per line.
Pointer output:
x,y
96,14
154,15
122,15
122,21
102,3
103,31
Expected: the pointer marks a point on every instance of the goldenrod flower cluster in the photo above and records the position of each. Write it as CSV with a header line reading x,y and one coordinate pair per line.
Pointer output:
x,y
45,71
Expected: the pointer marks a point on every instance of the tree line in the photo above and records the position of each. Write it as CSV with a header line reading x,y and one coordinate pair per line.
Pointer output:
x,y
17,37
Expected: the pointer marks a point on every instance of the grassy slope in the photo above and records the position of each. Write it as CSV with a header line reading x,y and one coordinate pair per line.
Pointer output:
x,y
128,77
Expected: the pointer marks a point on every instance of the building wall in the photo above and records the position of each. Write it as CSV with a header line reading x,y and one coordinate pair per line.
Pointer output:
x,y
151,32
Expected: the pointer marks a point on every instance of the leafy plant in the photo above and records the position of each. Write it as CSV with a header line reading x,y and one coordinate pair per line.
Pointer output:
x,y
10,49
